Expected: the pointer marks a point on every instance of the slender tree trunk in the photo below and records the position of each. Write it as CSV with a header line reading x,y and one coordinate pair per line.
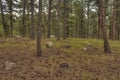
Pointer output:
x,y
5,28
39,52
67,24
117,6
64,17
114,21
23,19
103,26
67,30
99,22
118,34
28,17
49,18
32,20
110,32
11,21
44,24
81,21
88,22
58,18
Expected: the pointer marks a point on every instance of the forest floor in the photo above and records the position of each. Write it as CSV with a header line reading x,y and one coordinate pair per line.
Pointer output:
x,y
92,64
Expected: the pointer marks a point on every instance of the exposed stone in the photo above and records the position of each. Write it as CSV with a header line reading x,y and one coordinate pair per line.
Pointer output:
x,y
49,44
89,47
85,49
52,36
64,65
89,44
9,65
17,36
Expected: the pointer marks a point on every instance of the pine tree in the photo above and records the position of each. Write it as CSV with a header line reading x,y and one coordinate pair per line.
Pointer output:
x,y
32,30
39,52
103,26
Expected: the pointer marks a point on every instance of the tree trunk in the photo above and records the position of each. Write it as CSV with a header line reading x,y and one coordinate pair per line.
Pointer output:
x,y
32,20
117,6
5,28
103,26
67,24
99,22
114,21
23,19
11,23
64,17
88,21
81,21
49,18
58,18
39,52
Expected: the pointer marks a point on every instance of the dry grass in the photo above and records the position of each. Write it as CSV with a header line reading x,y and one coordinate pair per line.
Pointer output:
x,y
90,65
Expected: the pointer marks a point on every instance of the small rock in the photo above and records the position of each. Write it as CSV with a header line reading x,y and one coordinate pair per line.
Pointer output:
x,y
49,44
9,65
17,36
85,49
52,36
66,46
64,65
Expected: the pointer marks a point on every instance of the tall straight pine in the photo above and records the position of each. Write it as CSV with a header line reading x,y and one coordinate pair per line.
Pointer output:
x,y
58,19
39,52
103,27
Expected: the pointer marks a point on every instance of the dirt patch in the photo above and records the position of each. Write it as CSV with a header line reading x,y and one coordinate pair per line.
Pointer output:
x,y
90,49
30,67
78,66
66,46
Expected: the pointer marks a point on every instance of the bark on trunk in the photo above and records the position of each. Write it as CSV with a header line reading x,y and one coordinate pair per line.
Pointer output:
x,y
58,18
39,52
5,28
99,22
11,22
88,21
49,18
32,20
23,19
64,17
103,26
114,21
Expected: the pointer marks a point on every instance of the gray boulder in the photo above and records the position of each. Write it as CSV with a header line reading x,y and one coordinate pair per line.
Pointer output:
x,y
49,44
85,49
17,36
52,36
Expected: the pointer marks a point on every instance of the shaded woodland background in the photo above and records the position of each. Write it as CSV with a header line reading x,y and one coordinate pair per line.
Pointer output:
x,y
77,18
62,18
